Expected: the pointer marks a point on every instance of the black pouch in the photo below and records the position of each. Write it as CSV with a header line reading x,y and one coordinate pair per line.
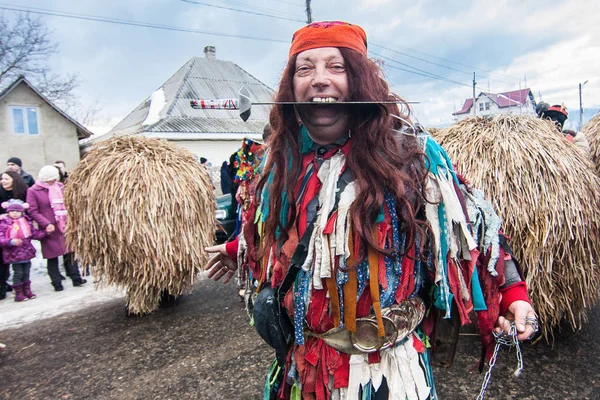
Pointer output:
x,y
272,323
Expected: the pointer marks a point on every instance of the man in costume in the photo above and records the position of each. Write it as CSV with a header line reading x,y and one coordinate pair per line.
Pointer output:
x,y
559,114
360,226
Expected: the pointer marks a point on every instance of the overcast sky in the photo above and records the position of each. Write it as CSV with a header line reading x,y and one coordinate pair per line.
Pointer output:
x,y
548,46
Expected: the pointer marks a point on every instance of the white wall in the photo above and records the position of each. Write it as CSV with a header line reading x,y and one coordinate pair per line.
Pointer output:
x,y
495,110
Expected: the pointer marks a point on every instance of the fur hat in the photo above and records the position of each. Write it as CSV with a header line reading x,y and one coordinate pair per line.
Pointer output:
x,y
15,205
48,173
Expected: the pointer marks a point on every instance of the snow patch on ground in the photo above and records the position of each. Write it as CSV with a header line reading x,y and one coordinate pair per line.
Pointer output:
x,y
49,303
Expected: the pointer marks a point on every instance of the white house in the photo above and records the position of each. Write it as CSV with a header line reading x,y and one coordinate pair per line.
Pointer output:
x,y
486,104
212,134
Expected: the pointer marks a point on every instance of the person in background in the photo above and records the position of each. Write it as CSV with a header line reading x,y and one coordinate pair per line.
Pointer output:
x,y
15,164
225,179
47,208
64,175
16,233
12,186
559,114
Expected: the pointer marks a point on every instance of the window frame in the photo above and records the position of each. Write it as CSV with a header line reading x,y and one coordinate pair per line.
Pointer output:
x,y
24,110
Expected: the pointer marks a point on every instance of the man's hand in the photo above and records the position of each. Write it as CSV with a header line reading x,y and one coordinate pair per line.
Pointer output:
x,y
220,265
524,317
50,228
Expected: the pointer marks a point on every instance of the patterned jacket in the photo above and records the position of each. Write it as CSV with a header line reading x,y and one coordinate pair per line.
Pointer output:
x,y
25,252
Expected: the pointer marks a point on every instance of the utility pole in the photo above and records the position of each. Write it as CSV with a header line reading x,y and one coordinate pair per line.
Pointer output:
x,y
474,83
581,106
308,12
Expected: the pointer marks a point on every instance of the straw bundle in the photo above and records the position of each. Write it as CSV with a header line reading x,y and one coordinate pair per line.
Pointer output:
x,y
141,211
592,133
546,192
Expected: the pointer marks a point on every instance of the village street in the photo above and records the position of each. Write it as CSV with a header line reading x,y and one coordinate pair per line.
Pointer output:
x,y
204,348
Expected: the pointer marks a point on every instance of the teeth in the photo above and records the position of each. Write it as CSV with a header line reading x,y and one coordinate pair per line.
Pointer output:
x,y
324,99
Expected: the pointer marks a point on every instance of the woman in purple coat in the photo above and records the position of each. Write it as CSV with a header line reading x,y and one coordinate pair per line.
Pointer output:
x,y
47,208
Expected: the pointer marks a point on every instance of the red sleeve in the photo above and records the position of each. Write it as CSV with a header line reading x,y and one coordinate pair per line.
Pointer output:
x,y
515,292
232,249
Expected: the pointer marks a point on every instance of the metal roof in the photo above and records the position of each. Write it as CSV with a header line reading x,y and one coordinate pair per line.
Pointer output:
x,y
202,78
206,125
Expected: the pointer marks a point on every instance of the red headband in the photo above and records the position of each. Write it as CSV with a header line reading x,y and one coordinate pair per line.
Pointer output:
x,y
329,34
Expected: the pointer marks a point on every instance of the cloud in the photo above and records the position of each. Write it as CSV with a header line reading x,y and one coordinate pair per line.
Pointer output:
x,y
552,44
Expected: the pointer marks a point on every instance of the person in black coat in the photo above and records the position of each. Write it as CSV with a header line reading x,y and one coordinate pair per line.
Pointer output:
x,y
15,164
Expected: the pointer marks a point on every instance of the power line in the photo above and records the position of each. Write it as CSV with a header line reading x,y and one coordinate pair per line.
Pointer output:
x,y
434,63
110,20
289,2
238,3
418,71
465,65
238,10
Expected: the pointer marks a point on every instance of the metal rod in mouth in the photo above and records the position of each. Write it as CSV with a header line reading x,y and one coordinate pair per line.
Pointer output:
x,y
244,104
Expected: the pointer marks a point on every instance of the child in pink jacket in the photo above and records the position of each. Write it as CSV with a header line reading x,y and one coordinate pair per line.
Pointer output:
x,y
16,233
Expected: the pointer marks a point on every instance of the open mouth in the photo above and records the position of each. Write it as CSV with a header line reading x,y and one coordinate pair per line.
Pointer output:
x,y
324,100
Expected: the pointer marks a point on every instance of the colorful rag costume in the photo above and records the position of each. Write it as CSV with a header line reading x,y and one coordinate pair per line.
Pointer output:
x,y
358,326
464,265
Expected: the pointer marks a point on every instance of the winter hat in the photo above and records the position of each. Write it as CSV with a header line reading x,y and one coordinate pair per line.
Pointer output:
x,y
15,205
329,34
15,160
48,173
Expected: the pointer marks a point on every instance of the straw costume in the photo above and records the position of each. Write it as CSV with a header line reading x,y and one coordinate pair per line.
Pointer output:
x,y
357,327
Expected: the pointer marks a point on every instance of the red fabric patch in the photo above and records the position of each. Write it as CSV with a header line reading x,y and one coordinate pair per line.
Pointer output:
x,y
330,224
406,285
374,357
232,248
418,345
515,292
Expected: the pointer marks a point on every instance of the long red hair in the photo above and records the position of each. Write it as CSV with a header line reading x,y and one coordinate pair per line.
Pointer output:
x,y
381,160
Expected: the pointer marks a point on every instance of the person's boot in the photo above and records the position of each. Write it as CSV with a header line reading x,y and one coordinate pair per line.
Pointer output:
x,y
8,288
27,290
79,281
2,290
58,287
19,295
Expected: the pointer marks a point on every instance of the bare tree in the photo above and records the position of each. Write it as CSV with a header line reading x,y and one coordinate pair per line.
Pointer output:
x,y
25,47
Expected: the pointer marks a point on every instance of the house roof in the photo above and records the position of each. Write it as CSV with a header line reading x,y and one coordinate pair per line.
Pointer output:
x,y
168,109
82,131
515,98
465,108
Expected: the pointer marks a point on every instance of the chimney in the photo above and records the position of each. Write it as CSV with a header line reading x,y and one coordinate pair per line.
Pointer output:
x,y
210,52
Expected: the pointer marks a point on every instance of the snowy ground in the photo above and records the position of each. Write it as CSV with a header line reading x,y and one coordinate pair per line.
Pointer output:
x,y
49,303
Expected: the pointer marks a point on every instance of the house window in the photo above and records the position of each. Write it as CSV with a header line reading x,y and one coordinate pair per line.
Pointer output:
x,y
480,106
25,120
487,105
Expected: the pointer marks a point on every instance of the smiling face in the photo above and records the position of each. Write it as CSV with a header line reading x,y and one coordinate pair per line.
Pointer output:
x,y
320,77
6,182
